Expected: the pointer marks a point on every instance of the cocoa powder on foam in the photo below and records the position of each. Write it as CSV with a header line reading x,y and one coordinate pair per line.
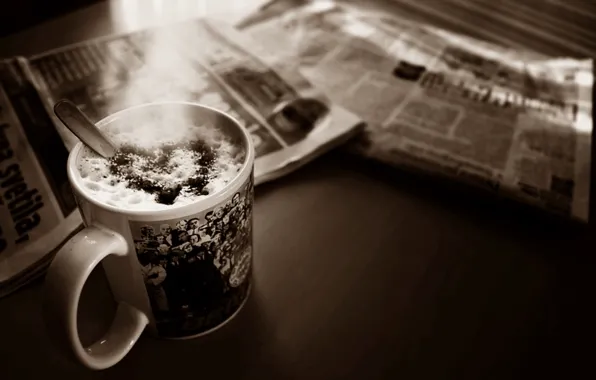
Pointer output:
x,y
155,176
141,169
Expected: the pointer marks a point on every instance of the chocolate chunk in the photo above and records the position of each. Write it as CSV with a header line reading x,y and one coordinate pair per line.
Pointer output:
x,y
197,184
168,196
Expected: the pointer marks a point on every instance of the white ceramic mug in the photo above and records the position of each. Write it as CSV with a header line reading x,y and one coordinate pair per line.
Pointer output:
x,y
148,286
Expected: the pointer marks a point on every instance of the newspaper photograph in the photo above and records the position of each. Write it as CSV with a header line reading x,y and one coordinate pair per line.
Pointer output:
x,y
515,123
291,121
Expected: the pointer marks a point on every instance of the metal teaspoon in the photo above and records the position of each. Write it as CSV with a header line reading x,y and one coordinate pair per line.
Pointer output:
x,y
79,124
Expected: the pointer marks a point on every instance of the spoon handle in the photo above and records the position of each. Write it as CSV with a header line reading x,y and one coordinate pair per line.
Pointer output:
x,y
79,124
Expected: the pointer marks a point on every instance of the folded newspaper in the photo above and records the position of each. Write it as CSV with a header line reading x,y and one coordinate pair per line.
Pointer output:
x,y
291,122
516,123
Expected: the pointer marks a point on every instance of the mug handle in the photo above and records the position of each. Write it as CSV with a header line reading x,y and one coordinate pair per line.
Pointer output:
x,y
64,282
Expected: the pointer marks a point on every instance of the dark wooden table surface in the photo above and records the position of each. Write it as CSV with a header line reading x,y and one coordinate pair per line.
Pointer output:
x,y
361,273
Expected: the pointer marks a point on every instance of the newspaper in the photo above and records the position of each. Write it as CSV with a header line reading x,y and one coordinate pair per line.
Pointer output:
x,y
201,61
516,123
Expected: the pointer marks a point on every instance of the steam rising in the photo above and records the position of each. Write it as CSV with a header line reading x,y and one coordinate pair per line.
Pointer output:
x,y
162,52
160,67
156,71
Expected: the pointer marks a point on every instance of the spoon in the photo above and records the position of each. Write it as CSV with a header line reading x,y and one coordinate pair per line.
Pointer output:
x,y
79,124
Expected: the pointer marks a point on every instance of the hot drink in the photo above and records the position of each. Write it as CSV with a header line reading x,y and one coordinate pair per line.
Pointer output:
x,y
160,166
170,219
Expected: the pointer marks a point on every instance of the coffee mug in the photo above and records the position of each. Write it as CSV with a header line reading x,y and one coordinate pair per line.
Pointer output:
x,y
177,272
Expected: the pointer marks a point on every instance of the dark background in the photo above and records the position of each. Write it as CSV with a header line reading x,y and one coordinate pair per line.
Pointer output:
x,y
21,14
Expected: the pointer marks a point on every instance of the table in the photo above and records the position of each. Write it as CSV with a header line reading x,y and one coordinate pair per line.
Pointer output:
x,y
360,273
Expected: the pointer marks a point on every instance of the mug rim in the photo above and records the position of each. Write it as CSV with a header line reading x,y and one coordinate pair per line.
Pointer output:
x,y
196,206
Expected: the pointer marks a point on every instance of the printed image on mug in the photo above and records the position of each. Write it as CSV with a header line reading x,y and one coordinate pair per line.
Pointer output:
x,y
197,269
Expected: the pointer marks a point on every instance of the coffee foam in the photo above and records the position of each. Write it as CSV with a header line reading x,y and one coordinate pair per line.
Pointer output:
x,y
221,161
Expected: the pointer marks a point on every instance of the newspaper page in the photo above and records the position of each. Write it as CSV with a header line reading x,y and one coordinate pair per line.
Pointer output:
x,y
291,122
37,208
513,122
205,62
